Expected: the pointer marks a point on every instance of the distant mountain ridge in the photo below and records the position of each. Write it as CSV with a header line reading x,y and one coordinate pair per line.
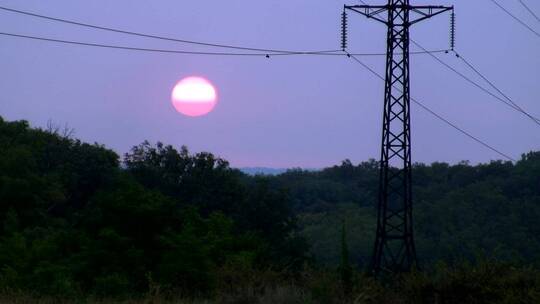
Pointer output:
x,y
262,170
270,171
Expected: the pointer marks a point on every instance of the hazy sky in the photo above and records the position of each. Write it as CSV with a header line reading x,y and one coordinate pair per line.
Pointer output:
x,y
278,112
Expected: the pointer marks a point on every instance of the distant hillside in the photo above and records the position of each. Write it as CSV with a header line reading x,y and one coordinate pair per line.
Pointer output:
x,y
262,170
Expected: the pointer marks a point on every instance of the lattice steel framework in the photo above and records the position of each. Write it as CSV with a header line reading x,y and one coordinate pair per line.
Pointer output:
x,y
394,249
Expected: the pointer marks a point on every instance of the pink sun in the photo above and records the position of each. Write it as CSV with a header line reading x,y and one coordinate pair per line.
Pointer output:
x,y
194,96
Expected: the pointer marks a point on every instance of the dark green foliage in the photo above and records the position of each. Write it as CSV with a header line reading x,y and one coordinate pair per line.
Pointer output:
x,y
460,211
200,179
320,191
75,222
345,269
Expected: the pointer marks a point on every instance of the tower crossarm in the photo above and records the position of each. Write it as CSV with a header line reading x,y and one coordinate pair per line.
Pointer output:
x,y
427,11
370,11
421,12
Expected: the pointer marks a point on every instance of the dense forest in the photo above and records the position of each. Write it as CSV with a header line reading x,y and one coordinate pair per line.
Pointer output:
x,y
461,211
78,221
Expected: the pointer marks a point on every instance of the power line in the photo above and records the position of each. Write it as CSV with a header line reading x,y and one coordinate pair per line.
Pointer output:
x,y
523,23
267,52
510,104
530,10
274,51
104,28
384,54
279,52
129,48
517,107
155,50
438,116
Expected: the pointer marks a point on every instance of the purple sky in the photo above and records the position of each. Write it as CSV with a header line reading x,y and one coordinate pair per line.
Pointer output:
x,y
278,112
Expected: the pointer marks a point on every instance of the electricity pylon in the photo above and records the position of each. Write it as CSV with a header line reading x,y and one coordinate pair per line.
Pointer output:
x,y
394,249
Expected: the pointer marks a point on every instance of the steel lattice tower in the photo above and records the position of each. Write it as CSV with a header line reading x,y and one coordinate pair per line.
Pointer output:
x,y
394,249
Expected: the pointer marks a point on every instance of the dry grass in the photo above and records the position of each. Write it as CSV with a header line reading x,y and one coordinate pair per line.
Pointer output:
x,y
485,283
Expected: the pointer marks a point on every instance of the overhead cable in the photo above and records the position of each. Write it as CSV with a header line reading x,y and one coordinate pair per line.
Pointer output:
x,y
185,52
530,10
523,23
438,116
509,102
515,105
474,83
132,33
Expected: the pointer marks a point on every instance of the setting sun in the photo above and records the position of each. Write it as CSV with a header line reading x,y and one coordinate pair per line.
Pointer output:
x,y
194,96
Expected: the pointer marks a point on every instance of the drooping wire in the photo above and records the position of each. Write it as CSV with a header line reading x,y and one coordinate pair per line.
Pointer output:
x,y
530,10
523,23
267,52
507,102
277,52
104,28
438,116
510,104
516,106
128,48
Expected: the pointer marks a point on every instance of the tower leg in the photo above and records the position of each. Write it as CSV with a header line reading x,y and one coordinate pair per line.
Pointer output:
x,y
394,249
